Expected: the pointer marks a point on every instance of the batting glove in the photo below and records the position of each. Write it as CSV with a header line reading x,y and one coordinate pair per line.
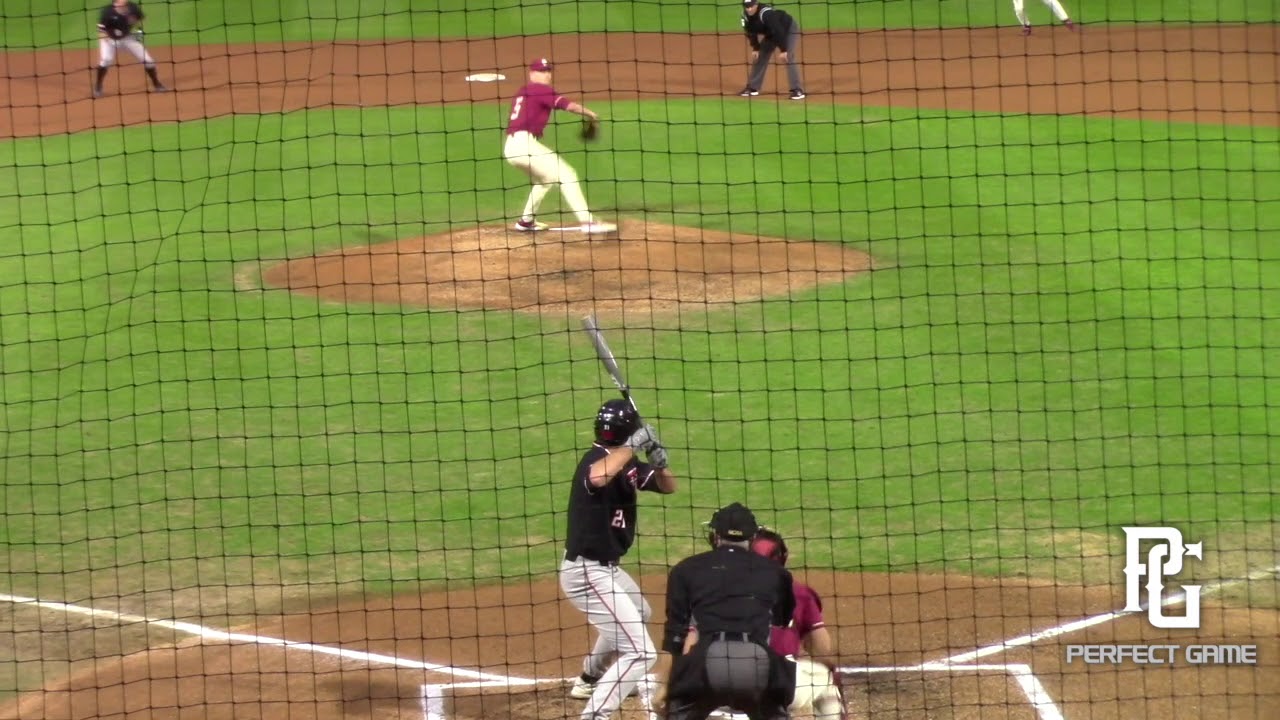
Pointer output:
x,y
643,439
658,456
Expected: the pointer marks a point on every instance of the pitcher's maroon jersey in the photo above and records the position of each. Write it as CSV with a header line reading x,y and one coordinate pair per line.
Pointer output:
x,y
531,108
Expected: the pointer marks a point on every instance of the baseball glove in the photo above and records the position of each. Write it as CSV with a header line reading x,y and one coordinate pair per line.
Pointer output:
x,y
590,129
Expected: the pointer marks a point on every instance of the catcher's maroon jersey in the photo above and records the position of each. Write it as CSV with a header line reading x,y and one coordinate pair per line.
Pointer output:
x,y
806,618
531,108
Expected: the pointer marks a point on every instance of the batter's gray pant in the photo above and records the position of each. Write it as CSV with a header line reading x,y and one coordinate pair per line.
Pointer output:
x,y
615,607
738,678
767,48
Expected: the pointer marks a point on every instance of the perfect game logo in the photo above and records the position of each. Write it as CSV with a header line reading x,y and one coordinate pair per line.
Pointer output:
x,y
1164,556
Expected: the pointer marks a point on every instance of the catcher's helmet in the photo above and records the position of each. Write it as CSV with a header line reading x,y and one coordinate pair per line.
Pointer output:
x,y
771,545
615,422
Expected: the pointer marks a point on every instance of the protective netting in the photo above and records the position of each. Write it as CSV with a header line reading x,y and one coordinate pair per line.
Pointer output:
x,y
981,320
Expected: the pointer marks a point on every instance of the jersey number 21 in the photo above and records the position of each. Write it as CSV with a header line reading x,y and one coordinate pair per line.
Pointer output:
x,y
619,520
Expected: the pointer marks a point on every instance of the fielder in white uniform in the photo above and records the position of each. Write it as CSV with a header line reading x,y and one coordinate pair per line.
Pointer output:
x,y
1019,9
118,29
601,528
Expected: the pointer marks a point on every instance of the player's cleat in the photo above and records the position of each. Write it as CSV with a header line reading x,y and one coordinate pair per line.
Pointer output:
x,y
797,94
531,226
748,92
597,227
97,92
162,88
1070,25
585,685
1026,29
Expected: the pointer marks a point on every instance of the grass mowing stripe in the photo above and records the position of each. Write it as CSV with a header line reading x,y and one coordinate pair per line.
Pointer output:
x,y
1032,357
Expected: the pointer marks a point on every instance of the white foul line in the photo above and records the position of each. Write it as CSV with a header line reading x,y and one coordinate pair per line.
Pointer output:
x,y
923,667
212,634
1076,625
1035,692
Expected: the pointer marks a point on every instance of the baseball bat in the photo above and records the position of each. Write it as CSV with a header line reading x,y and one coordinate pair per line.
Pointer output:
x,y
606,357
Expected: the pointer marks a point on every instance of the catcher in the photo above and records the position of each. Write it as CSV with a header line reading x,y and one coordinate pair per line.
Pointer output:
x,y
118,27
816,686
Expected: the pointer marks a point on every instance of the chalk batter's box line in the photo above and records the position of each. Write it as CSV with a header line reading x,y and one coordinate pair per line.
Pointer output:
x,y
1020,674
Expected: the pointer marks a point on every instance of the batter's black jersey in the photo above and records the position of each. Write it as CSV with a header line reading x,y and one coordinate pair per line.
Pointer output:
x,y
772,23
118,23
728,589
602,520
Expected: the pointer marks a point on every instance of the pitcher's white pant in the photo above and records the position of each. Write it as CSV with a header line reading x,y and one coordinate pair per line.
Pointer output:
x,y
618,611
545,168
107,51
1020,10
816,690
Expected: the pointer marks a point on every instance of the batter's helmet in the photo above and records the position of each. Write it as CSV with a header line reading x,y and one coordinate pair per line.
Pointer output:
x,y
771,545
615,422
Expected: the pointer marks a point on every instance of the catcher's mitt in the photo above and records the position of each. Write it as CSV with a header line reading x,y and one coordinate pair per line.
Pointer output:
x,y
590,128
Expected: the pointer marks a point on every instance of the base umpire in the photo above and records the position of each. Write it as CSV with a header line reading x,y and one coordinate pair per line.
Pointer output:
x,y
780,32
720,607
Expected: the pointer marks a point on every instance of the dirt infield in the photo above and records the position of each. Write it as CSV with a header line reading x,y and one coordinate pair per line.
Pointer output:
x,y
95,669
513,634
1204,73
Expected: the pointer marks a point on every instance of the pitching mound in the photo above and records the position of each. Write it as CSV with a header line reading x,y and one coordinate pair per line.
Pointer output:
x,y
646,267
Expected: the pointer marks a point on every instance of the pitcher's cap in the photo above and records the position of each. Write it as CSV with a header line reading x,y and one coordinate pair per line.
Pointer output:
x,y
540,65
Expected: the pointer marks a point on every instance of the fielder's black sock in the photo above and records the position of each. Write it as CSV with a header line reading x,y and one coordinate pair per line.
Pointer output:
x,y
102,74
591,680
155,79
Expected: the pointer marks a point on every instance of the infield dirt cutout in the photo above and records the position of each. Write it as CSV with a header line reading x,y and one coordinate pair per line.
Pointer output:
x,y
645,267
527,631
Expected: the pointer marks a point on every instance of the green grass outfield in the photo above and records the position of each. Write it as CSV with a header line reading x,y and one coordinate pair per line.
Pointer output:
x,y
1074,329
50,23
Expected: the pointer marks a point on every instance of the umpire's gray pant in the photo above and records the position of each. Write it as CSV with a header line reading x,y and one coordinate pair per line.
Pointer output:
x,y
761,66
737,677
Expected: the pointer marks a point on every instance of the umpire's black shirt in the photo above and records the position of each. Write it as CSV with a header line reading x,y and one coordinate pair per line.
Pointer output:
x,y
770,22
116,23
728,589
602,520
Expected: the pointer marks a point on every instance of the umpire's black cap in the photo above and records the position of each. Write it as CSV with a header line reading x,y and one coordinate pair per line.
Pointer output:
x,y
734,522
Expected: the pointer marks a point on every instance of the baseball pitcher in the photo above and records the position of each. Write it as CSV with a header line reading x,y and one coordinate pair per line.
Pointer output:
x,y
1020,10
816,687
119,27
531,108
